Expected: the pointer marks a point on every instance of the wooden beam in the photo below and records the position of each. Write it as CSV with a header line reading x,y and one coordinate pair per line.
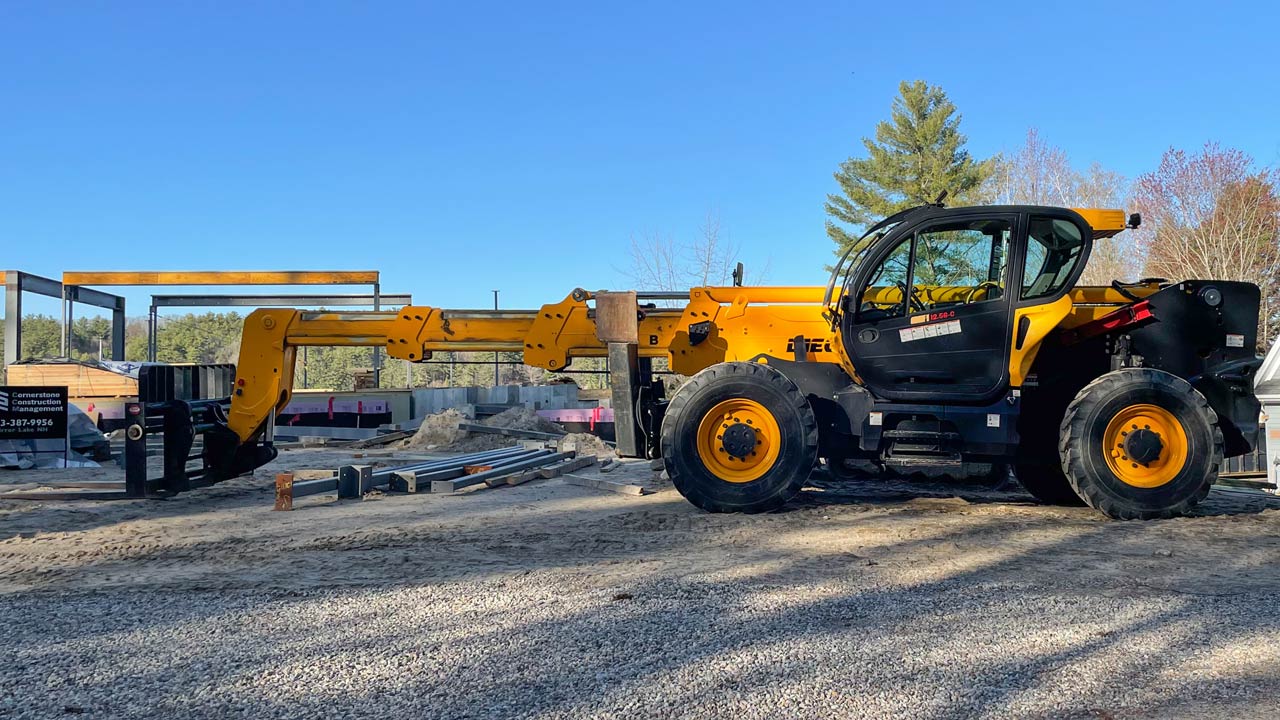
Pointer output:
x,y
599,484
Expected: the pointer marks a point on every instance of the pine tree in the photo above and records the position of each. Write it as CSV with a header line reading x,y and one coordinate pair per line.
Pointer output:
x,y
915,156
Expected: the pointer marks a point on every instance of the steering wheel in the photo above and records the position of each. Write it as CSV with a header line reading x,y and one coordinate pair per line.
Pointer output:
x,y
913,302
989,285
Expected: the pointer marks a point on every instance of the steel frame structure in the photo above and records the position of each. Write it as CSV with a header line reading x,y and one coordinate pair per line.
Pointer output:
x,y
73,290
306,301
17,282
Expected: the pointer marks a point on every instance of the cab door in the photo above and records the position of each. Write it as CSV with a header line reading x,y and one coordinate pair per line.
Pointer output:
x,y
929,315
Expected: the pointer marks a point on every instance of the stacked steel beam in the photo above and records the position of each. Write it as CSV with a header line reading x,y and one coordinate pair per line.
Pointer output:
x,y
443,475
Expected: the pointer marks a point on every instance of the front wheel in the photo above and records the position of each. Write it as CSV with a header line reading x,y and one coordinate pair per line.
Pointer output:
x,y
1140,444
739,437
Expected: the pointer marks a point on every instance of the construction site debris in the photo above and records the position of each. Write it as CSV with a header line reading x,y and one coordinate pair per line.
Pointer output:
x,y
352,481
576,464
585,444
515,419
523,418
607,485
510,467
379,440
510,432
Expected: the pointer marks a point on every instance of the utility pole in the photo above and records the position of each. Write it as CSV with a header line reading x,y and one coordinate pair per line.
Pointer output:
x,y
495,352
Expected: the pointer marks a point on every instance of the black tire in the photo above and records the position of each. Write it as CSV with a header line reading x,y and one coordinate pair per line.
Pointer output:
x,y
1083,442
1046,482
1036,463
797,442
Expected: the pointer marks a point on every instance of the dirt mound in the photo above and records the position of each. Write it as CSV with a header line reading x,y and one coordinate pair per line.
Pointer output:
x,y
522,418
585,444
438,431
517,418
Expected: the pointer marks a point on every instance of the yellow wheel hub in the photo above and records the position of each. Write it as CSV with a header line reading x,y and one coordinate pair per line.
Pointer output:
x,y
1145,446
739,440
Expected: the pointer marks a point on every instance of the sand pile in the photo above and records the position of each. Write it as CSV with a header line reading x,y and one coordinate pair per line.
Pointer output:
x,y
438,431
517,418
522,418
585,444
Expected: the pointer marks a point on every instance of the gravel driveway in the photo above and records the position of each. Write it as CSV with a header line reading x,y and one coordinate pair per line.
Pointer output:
x,y
553,601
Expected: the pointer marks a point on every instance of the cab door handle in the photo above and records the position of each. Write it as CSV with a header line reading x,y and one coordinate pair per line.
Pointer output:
x,y
1024,325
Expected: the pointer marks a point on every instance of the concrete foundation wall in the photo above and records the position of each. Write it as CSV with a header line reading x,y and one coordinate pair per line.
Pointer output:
x,y
427,401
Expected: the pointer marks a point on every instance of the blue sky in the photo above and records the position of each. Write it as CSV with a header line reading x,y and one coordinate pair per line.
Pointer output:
x,y
461,147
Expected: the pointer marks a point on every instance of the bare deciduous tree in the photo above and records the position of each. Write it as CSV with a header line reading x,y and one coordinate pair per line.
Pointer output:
x,y
1213,215
1037,174
1041,174
658,262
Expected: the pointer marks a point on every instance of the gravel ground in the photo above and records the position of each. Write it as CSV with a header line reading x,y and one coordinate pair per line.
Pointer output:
x,y
555,601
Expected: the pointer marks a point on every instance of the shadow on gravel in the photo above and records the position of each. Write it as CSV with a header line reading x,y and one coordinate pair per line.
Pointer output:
x,y
951,614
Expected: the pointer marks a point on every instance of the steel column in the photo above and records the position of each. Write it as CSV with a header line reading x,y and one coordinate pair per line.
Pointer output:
x,y
117,330
12,317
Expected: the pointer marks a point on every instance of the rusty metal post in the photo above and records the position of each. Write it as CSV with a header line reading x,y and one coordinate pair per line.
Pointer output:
x,y
284,491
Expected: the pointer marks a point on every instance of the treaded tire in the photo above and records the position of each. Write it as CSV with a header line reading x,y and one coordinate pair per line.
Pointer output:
x,y
1036,463
1081,444
1047,483
798,443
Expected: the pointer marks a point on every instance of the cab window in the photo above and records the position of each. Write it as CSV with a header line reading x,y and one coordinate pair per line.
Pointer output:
x,y
1054,248
885,294
944,265
959,263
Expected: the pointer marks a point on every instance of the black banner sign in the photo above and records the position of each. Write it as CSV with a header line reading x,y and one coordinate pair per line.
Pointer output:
x,y
33,413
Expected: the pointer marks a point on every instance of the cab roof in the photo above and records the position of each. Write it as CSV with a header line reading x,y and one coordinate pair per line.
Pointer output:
x,y
1105,223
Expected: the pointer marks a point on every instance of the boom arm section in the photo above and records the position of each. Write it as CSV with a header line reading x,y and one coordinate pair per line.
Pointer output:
x,y
549,337
717,324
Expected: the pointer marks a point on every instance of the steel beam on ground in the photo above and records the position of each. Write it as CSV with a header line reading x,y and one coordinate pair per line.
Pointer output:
x,y
536,458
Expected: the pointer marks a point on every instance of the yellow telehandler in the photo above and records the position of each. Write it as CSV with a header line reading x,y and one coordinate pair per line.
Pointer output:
x,y
947,336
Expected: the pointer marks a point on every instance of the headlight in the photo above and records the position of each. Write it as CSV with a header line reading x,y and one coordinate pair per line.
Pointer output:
x,y
1211,296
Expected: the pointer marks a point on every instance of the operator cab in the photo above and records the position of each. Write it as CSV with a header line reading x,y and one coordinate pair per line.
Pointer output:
x,y
927,314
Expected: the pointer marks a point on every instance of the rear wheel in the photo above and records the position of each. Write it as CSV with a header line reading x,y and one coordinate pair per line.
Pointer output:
x,y
739,437
1140,444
